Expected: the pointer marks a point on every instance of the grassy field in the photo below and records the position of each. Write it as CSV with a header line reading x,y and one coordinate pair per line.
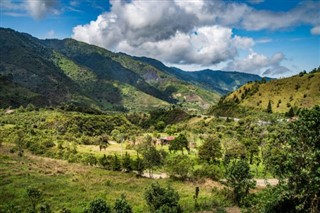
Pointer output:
x,y
73,186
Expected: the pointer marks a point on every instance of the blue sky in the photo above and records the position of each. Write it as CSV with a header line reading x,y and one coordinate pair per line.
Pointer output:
x,y
275,38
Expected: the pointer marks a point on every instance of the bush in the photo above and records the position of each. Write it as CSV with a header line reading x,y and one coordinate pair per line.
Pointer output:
x,y
34,195
160,199
127,163
179,166
211,171
98,206
89,159
122,206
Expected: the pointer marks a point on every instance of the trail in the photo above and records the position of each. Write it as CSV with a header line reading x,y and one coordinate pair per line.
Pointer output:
x,y
260,182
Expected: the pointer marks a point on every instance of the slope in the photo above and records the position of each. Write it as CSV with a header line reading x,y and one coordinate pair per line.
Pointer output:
x,y
79,76
221,82
29,76
124,69
299,91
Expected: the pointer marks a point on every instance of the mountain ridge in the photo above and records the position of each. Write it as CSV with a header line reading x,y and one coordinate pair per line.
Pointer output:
x,y
68,72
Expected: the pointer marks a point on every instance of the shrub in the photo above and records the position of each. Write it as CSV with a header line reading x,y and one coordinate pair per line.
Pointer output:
x,y
127,163
160,199
211,171
34,195
179,166
89,159
98,206
122,206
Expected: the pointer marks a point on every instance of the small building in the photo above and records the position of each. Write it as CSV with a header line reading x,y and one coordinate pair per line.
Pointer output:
x,y
166,140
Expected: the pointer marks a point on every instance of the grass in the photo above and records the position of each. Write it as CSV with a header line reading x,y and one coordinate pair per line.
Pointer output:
x,y
296,91
73,186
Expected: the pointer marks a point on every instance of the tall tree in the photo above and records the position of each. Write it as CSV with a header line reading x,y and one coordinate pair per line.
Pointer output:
x,y
269,107
210,150
240,179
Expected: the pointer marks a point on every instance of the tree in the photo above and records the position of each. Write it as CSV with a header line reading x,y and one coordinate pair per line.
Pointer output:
x,y
127,163
290,113
152,158
179,143
240,179
103,141
98,206
269,107
302,166
115,163
34,196
210,150
122,206
179,166
252,147
160,199
139,165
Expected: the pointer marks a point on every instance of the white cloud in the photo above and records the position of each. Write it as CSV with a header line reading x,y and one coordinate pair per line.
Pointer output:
x,y
315,30
38,9
189,32
168,30
259,64
35,8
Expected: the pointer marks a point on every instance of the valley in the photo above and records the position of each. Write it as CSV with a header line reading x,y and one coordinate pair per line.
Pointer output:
x,y
84,129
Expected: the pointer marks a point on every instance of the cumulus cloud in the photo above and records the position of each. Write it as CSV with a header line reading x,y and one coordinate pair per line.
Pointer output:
x,y
259,64
191,32
176,32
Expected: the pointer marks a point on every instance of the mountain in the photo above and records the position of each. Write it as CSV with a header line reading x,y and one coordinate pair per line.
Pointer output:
x,y
299,91
28,75
72,73
222,82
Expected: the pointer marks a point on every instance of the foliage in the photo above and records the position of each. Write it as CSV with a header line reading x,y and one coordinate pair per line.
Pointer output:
x,y
122,206
127,163
179,166
139,165
269,107
98,206
115,164
302,164
210,150
34,195
240,179
212,171
161,199
179,143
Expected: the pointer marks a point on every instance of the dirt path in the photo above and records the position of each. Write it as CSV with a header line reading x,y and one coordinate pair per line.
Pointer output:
x,y
260,182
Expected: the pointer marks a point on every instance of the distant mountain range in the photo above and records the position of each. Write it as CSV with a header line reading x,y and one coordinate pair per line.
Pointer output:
x,y
70,73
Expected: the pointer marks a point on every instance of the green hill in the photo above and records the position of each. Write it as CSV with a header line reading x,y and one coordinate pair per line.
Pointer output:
x,y
221,82
78,75
299,91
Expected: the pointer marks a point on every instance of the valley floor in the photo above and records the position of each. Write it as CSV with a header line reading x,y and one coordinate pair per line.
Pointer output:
x,y
73,186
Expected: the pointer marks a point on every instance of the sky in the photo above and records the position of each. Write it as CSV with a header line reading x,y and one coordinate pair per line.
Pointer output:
x,y
275,38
